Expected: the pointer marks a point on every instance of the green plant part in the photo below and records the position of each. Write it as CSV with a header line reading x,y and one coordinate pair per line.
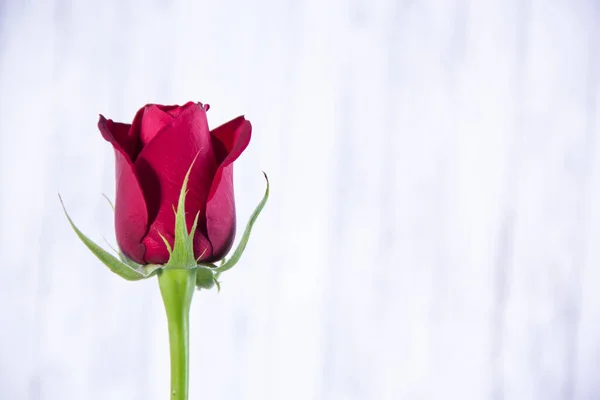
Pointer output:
x,y
237,254
126,269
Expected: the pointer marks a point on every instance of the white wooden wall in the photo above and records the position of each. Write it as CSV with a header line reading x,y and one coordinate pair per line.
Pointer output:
x,y
434,223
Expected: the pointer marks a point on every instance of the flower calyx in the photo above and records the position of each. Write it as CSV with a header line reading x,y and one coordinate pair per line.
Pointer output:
x,y
181,255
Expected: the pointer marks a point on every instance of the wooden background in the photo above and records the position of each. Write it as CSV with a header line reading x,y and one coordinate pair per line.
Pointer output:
x,y
435,215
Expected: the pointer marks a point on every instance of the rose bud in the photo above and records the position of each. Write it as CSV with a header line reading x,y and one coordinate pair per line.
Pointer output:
x,y
175,210
153,155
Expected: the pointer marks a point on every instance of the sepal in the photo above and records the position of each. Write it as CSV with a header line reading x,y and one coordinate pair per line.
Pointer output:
x,y
123,267
237,254
208,274
181,256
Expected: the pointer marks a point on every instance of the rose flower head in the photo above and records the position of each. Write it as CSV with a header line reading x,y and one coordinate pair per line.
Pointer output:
x,y
153,155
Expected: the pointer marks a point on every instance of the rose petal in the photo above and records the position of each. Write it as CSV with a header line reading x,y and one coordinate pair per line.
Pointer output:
x,y
202,246
153,121
131,216
220,209
225,137
119,134
171,108
174,111
162,166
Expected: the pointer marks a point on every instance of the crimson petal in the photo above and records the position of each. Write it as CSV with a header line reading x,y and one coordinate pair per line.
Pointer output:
x,y
153,120
131,216
220,209
119,134
162,166
174,111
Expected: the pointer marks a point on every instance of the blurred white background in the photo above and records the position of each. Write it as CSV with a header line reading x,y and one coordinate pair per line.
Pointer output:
x,y
435,212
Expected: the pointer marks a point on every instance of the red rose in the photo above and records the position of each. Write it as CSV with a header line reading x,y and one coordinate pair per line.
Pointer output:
x,y
153,155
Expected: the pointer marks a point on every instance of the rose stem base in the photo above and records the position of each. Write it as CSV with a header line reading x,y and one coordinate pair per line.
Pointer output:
x,y
177,289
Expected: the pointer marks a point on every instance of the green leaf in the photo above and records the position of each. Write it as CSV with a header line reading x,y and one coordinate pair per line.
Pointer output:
x,y
115,265
237,254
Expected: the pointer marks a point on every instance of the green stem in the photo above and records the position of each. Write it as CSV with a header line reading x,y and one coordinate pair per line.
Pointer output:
x,y
177,288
